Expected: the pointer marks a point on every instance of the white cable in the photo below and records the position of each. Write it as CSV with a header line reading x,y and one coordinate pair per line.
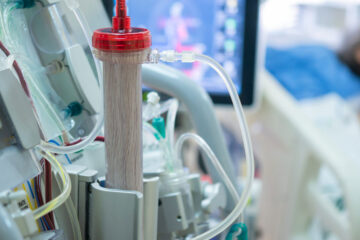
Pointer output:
x,y
73,5
171,56
211,156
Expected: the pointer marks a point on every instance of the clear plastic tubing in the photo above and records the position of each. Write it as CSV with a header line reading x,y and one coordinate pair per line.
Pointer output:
x,y
148,127
66,188
74,222
37,93
211,155
56,202
74,6
170,121
240,206
171,56
32,83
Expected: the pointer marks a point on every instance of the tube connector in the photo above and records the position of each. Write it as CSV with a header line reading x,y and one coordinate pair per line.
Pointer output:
x,y
153,98
121,23
153,57
172,56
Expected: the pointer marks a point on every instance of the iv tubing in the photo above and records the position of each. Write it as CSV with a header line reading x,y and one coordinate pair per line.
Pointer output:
x,y
4,22
163,144
31,84
74,222
240,206
170,121
151,129
214,160
44,101
171,56
65,178
100,121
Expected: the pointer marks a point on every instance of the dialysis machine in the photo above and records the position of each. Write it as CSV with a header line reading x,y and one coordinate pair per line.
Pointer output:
x,y
87,138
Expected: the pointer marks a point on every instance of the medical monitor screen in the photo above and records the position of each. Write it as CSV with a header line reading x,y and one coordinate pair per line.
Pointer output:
x,y
217,28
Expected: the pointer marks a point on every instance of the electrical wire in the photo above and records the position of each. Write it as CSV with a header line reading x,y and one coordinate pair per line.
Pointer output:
x,y
99,139
74,143
30,204
50,225
33,194
30,188
40,202
58,144
66,185
43,224
27,197
48,187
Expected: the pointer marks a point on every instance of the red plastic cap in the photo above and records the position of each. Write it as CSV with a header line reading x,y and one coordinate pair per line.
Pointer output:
x,y
131,40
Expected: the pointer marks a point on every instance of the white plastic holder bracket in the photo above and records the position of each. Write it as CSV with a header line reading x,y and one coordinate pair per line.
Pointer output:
x,y
15,203
115,213
26,222
128,214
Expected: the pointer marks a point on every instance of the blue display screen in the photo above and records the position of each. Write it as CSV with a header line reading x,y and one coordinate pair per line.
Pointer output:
x,y
211,27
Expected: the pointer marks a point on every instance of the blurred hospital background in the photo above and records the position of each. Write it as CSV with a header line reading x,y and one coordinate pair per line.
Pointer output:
x,y
313,56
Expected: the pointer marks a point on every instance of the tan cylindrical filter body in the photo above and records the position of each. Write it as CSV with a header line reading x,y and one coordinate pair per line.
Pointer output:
x,y
123,118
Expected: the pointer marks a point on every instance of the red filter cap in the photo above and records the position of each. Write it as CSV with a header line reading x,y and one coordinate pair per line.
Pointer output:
x,y
107,40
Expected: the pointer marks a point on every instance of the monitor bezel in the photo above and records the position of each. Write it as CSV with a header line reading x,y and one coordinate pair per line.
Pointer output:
x,y
249,58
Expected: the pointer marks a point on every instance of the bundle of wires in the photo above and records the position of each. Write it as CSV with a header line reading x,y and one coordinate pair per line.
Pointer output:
x,y
48,219
58,144
31,185
43,210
